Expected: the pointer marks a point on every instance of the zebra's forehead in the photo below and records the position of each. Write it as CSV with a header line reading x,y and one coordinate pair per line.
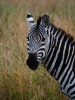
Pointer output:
x,y
37,30
33,30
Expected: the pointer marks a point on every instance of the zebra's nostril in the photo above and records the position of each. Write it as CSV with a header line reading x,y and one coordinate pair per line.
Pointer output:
x,y
33,55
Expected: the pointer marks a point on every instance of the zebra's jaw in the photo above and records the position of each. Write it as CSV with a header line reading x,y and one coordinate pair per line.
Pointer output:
x,y
32,62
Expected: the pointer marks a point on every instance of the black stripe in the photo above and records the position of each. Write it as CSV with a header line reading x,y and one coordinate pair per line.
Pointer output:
x,y
52,59
70,88
73,43
63,67
51,28
59,59
72,80
54,29
61,71
58,32
74,66
67,79
28,15
55,51
31,21
49,57
73,93
50,51
73,98
65,75
70,53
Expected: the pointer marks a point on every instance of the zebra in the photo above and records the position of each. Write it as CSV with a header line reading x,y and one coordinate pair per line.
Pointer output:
x,y
55,49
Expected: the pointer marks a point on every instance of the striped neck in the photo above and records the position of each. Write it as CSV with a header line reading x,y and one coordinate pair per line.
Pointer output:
x,y
58,50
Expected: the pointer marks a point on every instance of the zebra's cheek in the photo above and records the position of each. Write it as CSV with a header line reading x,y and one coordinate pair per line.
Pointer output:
x,y
32,63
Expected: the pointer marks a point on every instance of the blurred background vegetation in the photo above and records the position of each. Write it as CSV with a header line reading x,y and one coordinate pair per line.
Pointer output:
x,y
17,81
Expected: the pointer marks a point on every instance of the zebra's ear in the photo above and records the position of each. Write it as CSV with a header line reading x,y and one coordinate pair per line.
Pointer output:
x,y
30,20
45,20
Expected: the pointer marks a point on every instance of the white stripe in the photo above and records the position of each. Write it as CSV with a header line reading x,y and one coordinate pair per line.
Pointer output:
x,y
73,89
68,53
30,19
68,74
61,61
53,64
72,75
55,33
58,34
52,31
66,68
46,65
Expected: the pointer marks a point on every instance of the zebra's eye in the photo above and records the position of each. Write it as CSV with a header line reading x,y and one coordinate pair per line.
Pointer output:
x,y
43,39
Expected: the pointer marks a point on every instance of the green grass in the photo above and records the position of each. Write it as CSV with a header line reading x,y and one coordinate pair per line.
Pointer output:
x,y
17,81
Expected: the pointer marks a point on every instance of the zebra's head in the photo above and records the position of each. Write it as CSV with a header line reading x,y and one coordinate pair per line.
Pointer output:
x,y
37,40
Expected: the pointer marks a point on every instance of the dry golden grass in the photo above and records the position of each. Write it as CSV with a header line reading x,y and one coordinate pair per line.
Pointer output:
x,y
17,81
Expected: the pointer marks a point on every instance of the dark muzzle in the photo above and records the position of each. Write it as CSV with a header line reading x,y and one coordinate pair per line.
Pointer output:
x,y
32,62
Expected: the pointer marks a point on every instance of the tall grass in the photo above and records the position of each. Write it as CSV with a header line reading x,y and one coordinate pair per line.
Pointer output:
x,y
17,81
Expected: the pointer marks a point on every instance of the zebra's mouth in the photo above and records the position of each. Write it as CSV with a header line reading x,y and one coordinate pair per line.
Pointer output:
x,y
32,62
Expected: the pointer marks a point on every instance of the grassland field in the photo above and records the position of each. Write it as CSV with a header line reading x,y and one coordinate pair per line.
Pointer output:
x,y
17,81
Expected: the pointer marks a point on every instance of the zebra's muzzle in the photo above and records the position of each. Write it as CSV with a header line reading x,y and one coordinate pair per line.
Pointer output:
x,y
32,62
